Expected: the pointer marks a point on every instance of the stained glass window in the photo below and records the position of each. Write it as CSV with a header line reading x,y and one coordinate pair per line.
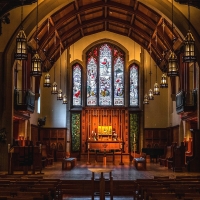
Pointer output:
x,y
105,75
76,137
134,132
118,81
77,85
91,81
133,85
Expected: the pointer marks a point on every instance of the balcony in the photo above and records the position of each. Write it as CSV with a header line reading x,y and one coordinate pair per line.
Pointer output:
x,y
24,100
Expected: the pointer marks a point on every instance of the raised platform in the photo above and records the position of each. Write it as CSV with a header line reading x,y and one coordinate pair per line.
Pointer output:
x,y
98,157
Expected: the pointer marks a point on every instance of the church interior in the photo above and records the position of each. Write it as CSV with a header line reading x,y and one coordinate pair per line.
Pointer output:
x,y
105,87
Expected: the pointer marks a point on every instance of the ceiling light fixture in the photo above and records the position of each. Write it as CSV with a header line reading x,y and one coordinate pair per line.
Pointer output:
x,y
21,41
189,43
172,60
36,62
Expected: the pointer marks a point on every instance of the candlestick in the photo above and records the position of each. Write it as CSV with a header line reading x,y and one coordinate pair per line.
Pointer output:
x,y
8,148
40,147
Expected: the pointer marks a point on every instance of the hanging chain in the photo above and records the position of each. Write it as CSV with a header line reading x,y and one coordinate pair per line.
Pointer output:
x,y
54,56
37,26
22,10
60,65
172,24
189,15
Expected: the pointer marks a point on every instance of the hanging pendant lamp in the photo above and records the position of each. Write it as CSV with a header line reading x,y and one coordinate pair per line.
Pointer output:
x,y
36,62
189,43
47,77
156,89
59,95
146,98
150,94
163,83
172,60
47,81
54,85
21,41
65,75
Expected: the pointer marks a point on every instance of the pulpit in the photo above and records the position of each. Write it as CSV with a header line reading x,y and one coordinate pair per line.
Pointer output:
x,y
102,193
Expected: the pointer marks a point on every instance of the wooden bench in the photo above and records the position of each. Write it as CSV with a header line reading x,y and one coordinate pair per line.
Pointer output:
x,y
140,161
71,161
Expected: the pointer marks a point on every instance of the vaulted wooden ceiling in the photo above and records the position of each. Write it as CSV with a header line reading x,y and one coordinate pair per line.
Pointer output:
x,y
80,18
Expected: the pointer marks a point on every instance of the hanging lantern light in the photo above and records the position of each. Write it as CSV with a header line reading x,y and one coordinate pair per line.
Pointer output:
x,y
189,43
172,60
21,46
65,99
47,82
54,88
66,73
156,89
36,68
36,62
150,94
189,48
146,99
47,77
163,83
54,85
21,41
59,95
172,65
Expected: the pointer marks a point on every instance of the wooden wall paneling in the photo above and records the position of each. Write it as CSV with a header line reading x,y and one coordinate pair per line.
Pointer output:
x,y
34,134
156,137
55,141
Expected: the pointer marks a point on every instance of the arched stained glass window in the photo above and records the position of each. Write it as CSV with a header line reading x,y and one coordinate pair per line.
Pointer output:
x,y
91,81
133,85
118,81
77,96
105,76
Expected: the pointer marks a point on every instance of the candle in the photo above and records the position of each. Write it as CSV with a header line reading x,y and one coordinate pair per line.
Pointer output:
x,y
40,147
8,148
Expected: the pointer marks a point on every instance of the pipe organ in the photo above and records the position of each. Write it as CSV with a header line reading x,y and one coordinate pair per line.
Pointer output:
x,y
104,125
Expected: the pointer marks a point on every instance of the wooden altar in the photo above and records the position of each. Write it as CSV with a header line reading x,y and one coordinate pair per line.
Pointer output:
x,y
104,126
105,145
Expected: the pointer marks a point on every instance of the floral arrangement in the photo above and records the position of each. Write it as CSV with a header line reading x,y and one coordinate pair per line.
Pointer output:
x,y
3,137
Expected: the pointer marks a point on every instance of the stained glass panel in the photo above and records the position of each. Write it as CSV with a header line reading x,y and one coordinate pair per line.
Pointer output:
x,y
91,82
118,81
134,131
134,85
76,131
77,85
105,77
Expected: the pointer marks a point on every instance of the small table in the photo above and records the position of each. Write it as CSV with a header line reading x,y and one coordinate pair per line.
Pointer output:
x,y
102,182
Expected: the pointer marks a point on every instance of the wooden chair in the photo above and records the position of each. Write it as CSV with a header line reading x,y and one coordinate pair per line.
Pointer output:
x,y
164,160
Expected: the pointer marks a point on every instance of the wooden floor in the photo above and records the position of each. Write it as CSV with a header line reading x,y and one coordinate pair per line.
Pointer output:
x,y
119,172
